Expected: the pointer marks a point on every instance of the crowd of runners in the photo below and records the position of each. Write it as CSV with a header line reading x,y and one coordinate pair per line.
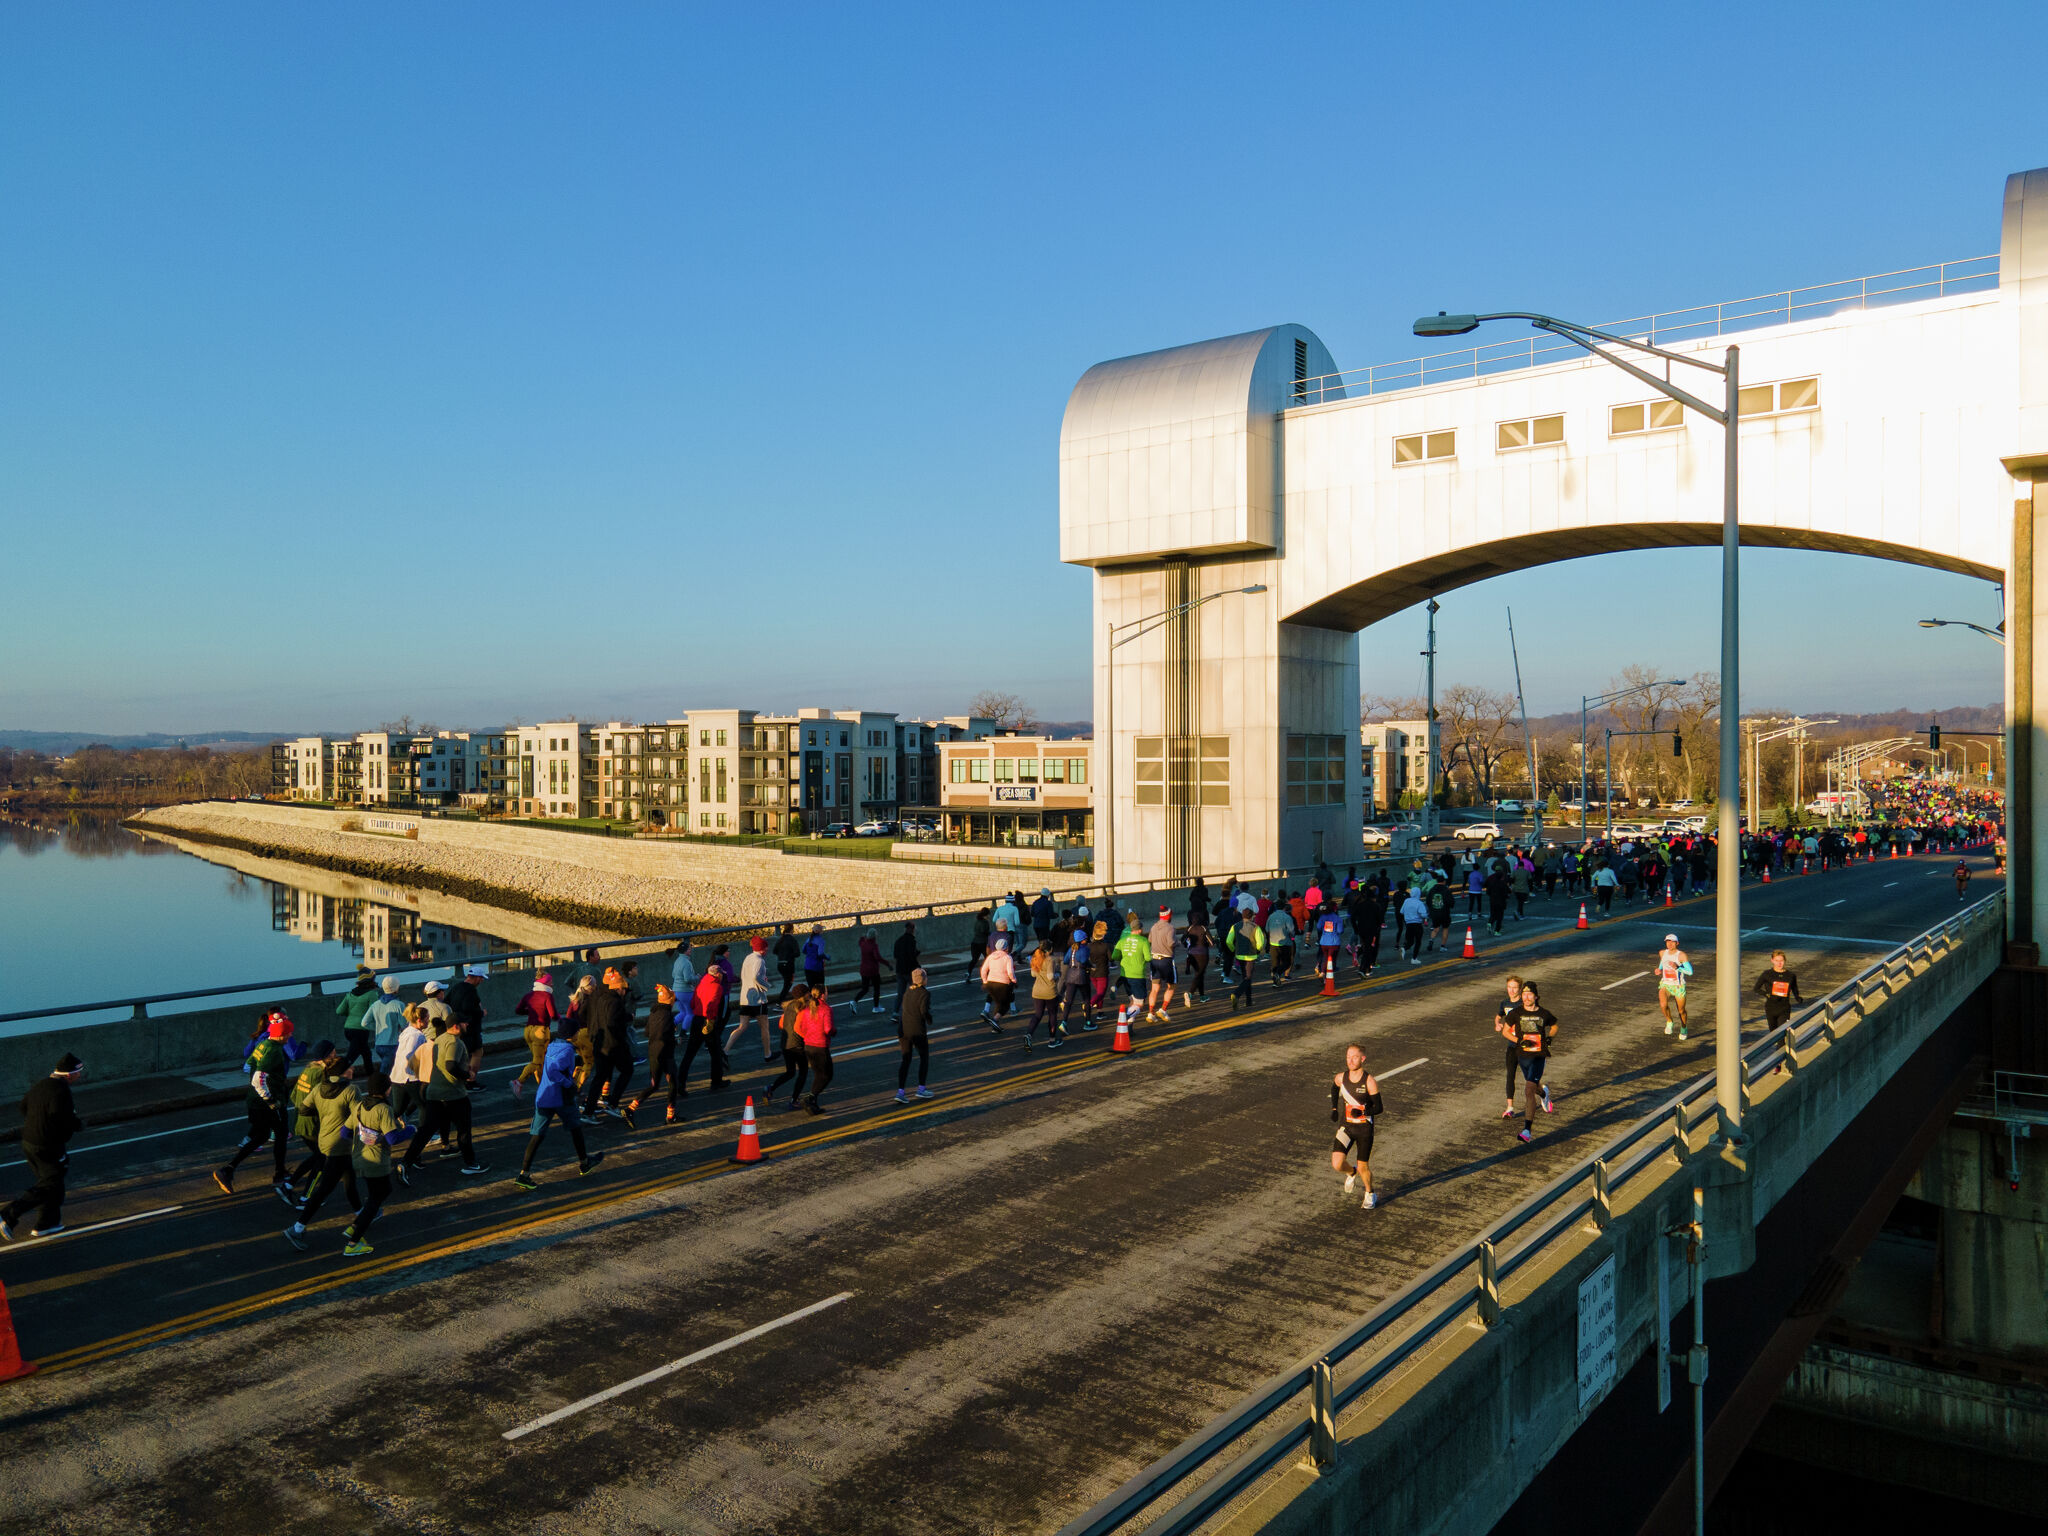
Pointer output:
x,y
363,1112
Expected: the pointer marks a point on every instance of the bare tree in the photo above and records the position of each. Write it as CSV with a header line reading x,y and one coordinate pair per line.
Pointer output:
x,y
1373,708
1009,712
1696,716
1475,724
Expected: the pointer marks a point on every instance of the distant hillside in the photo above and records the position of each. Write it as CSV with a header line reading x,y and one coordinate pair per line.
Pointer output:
x,y
58,743
1965,718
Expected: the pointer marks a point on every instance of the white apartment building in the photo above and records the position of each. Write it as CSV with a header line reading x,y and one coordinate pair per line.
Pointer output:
x,y
551,770
383,767
307,770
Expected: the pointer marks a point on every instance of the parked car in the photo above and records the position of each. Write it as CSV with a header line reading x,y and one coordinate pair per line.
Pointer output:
x,y
1478,831
1508,807
1697,823
839,829
1378,837
1681,805
872,829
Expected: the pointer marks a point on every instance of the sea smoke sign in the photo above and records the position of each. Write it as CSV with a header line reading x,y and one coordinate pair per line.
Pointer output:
x,y
1596,1333
1016,791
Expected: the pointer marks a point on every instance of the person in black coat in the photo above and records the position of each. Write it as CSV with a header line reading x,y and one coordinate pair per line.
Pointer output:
x,y
48,1122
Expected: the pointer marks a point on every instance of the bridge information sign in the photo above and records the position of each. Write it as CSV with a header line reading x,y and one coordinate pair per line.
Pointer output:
x,y
1596,1333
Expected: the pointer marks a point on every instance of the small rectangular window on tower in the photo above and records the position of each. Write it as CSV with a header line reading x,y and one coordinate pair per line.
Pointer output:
x,y
1532,433
1300,369
1425,447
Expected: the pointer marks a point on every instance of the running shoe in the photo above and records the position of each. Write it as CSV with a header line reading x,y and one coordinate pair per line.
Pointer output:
x,y
1163,1016
1088,1028
284,1193
403,1174
1681,1034
626,1114
1508,1113
296,1236
1548,1107
524,1180
589,1163
356,1250
1053,1044
1369,1201
1524,1135
811,1104
1669,1026
474,1168
47,1231
670,1119
923,1092
902,1096
1350,1182
6,1231
225,1178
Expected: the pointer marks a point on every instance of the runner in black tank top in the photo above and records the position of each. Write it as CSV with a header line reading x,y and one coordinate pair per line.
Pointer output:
x,y
1354,1104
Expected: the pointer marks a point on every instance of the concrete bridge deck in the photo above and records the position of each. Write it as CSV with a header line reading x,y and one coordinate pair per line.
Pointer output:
x,y
1057,1269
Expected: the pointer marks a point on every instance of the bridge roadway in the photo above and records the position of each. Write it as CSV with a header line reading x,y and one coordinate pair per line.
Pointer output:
x,y
1057,1269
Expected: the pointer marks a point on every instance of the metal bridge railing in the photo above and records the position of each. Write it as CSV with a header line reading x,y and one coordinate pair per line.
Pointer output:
x,y
1297,1409
523,959
1975,274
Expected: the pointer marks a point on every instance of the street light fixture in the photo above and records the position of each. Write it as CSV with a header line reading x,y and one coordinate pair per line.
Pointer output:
x,y
1997,634
1728,1084
1139,629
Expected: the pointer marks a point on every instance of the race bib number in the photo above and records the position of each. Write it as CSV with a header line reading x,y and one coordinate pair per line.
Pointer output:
x,y
1781,989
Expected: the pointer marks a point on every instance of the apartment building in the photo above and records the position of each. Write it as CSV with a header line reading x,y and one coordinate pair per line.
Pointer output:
x,y
1395,758
450,765
551,770
917,753
302,769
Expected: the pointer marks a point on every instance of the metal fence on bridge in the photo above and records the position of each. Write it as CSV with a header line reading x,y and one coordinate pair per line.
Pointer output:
x,y
1297,1410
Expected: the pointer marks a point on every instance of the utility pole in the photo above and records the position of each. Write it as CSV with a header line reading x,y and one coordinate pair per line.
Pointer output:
x,y
1528,741
1430,823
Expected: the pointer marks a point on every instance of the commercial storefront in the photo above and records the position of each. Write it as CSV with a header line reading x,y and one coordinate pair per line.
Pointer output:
x,y
1016,792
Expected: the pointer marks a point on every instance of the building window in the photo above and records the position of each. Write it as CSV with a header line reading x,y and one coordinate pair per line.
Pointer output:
x,y
1027,770
703,818
721,821
1776,399
1300,369
1315,770
1425,447
1214,769
1006,770
957,770
1077,770
1055,770
1531,433
721,782
721,738
1645,416
978,770
1149,753
814,738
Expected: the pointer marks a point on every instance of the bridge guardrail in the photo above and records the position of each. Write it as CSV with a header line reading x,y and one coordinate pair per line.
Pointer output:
x,y
633,944
1282,1422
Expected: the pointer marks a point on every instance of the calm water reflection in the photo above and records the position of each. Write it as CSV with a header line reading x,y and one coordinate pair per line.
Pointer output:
x,y
91,910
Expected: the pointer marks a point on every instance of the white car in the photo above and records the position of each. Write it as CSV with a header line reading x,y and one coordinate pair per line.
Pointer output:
x,y
1508,807
872,829
1681,805
1477,831
1695,823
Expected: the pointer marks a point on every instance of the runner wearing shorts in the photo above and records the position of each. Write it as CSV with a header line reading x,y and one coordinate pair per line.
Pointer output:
x,y
1159,969
1504,1026
1354,1102
1535,1028
1672,969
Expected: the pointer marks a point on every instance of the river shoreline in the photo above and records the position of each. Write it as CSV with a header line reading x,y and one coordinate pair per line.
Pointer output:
x,y
624,885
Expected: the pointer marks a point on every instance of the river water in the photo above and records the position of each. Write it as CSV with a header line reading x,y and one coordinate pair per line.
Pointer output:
x,y
90,910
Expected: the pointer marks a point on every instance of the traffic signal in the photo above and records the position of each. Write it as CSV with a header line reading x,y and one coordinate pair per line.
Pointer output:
x,y
1933,737
1677,745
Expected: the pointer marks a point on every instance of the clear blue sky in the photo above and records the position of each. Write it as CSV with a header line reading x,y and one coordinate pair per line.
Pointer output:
x,y
491,361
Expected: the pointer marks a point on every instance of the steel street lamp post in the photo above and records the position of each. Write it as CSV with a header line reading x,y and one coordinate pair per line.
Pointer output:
x,y
1728,897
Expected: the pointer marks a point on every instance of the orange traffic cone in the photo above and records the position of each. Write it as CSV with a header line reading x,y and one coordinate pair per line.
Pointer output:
x,y
1582,916
1767,874
1667,893
1330,974
11,1363
1121,1045
1895,850
750,1137
1470,952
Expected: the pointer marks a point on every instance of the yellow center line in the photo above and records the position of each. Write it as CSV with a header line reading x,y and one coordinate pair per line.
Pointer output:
x,y
141,1338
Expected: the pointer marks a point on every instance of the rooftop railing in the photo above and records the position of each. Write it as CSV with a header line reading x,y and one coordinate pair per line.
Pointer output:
x,y
1976,274
1298,1409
